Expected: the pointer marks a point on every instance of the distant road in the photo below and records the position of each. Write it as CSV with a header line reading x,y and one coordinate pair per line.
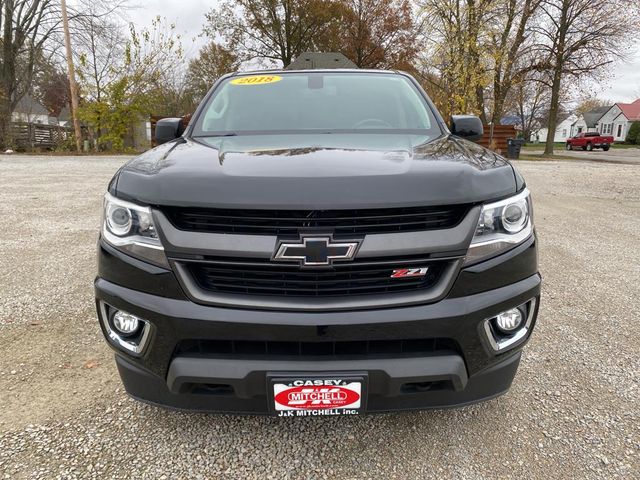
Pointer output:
x,y
615,155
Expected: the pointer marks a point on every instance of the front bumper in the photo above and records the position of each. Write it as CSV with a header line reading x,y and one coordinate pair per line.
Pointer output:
x,y
249,385
466,370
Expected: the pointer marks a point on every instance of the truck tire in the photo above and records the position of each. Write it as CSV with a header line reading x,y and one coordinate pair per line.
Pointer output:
x,y
568,146
589,147
605,148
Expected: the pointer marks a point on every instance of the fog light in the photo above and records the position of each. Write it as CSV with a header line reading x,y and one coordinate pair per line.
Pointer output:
x,y
510,321
125,331
125,323
511,327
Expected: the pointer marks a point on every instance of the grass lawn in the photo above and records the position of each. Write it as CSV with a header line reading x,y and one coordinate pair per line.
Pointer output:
x,y
560,146
540,146
528,156
623,145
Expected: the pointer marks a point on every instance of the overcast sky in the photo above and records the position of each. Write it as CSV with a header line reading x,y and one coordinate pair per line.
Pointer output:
x,y
188,15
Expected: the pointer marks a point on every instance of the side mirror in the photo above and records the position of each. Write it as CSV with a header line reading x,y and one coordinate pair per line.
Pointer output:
x,y
168,129
467,126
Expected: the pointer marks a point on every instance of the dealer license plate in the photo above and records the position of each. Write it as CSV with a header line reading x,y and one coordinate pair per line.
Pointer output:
x,y
317,396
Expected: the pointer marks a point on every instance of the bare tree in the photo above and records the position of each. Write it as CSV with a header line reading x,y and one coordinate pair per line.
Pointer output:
x,y
26,26
510,41
531,100
100,49
577,38
31,37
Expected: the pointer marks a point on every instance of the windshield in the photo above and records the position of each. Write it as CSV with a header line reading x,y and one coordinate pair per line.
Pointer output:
x,y
322,102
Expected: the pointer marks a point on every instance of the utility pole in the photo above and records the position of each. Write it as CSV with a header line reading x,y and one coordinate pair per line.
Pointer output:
x,y
73,86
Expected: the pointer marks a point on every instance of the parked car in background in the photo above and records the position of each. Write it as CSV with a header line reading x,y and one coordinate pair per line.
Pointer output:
x,y
589,141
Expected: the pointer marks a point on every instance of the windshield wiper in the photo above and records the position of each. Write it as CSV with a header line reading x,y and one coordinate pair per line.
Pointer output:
x,y
219,134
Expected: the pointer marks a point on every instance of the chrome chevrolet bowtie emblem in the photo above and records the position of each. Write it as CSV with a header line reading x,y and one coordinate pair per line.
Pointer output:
x,y
312,251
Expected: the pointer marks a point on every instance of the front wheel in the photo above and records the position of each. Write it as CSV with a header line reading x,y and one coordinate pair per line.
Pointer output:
x,y
605,148
568,146
589,147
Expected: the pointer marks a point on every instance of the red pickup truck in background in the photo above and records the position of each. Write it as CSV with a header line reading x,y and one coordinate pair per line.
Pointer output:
x,y
589,141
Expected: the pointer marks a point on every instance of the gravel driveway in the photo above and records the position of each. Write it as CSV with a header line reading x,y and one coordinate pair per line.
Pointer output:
x,y
573,411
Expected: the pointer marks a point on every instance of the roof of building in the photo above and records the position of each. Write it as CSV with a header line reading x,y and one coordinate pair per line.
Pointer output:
x,y
592,116
566,117
30,106
630,110
65,113
314,60
510,120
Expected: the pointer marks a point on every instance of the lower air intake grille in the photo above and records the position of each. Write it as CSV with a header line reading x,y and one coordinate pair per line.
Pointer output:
x,y
337,349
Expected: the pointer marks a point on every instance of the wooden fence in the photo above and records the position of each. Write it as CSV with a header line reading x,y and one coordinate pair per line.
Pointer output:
x,y
501,133
35,135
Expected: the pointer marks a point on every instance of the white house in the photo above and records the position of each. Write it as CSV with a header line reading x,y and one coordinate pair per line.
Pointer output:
x,y
563,131
588,121
618,119
64,117
29,110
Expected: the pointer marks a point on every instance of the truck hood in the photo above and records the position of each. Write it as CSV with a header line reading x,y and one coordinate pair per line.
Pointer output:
x,y
329,171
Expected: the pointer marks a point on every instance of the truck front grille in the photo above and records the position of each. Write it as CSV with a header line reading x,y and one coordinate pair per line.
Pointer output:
x,y
356,278
291,222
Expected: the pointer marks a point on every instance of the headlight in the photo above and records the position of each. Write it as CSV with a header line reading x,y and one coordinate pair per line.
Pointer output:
x,y
129,228
502,226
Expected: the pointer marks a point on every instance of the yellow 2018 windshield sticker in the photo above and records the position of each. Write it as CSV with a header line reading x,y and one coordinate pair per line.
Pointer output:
x,y
256,80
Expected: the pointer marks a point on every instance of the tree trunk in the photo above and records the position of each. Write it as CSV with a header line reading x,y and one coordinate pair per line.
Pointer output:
x,y
7,75
558,69
498,102
73,87
553,110
480,104
5,124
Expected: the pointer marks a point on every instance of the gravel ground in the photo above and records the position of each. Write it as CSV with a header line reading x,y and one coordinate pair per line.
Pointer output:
x,y
571,413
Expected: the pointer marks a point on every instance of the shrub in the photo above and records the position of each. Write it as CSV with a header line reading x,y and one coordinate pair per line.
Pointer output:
x,y
633,135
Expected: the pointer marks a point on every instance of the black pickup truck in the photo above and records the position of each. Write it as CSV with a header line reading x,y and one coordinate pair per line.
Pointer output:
x,y
317,242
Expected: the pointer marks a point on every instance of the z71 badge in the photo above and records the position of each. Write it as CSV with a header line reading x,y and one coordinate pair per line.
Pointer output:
x,y
410,272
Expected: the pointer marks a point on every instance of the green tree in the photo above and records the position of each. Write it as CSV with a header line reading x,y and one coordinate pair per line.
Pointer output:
x,y
114,114
141,84
633,135
456,39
